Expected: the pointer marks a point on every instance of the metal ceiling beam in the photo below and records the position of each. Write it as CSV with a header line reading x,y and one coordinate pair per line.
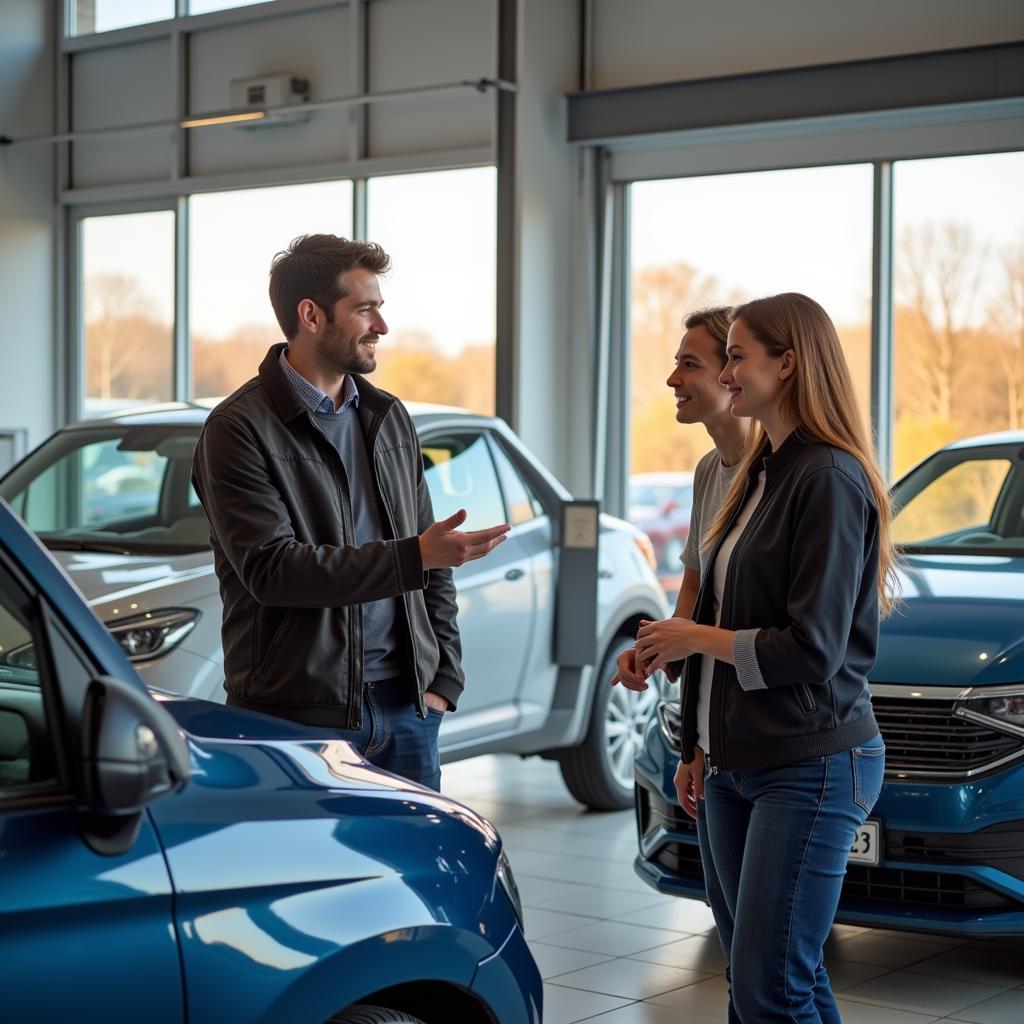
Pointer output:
x,y
889,83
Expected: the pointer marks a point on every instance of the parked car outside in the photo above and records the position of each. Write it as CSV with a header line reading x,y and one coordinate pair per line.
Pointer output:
x,y
175,860
149,576
943,849
659,504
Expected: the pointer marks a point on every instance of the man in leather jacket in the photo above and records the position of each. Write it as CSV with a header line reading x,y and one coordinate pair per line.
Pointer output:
x,y
339,604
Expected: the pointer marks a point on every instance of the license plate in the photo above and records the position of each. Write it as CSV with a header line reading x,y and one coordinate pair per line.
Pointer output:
x,y
867,844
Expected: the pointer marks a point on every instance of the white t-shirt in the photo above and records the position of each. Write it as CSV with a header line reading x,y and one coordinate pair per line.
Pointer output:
x,y
711,480
720,570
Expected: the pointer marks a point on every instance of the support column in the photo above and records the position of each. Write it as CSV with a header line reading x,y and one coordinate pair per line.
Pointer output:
x,y
882,350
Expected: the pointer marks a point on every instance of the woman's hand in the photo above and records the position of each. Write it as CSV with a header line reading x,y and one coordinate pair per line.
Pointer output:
x,y
660,643
629,673
689,780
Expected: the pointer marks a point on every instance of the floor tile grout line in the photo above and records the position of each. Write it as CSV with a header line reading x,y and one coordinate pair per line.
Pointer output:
x,y
642,999
612,956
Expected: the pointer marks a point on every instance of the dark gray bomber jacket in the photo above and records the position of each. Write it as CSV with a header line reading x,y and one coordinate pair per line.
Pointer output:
x,y
291,579
800,592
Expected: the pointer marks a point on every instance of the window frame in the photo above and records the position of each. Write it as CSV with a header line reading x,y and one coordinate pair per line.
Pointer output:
x,y
75,355
498,454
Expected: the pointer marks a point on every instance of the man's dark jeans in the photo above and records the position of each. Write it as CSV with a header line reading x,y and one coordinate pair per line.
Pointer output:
x,y
394,737
774,844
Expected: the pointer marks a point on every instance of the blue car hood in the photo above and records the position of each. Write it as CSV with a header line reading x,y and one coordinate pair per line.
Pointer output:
x,y
275,808
317,754
961,623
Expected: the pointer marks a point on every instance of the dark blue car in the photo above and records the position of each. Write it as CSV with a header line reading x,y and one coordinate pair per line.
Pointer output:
x,y
943,850
172,860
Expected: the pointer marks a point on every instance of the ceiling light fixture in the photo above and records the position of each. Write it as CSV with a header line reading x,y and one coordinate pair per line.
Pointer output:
x,y
200,122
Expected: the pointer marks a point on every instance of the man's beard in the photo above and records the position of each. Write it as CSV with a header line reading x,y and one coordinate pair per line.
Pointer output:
x,y
350,359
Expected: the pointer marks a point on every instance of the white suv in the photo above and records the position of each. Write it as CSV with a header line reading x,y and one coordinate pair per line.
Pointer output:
x,y
112,499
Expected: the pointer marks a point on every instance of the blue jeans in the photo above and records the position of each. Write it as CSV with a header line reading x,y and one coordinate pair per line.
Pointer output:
x,y
774,844
394,737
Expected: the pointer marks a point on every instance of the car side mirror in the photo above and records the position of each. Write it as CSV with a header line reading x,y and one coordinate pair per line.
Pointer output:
x,y
133,751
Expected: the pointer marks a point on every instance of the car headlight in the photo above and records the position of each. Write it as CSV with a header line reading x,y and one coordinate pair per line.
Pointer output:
x,y
508,883
1000,707
152,635
646,548
670,719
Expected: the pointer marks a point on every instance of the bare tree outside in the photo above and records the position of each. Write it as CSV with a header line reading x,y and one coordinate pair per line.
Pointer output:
x,y
939,266
959,323
128,350
1008,318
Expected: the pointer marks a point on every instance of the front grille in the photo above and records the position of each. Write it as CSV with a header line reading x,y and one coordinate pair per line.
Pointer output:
x,y
864,885
682,859
920,889
999,846
923,738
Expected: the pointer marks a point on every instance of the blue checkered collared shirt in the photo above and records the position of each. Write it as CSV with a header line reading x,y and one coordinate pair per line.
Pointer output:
x,y
313,398
381,641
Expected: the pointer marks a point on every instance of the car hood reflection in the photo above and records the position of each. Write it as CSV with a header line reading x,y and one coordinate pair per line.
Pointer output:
x,y
959,623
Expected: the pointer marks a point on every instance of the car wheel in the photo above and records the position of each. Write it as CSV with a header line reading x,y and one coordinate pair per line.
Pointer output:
x,y
373,1015
599,772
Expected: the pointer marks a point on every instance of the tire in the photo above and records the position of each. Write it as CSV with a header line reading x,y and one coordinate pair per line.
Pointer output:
x,y
373,1015
599,772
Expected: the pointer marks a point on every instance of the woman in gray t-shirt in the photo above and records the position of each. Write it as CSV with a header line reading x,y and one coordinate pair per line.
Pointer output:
x,y
700,398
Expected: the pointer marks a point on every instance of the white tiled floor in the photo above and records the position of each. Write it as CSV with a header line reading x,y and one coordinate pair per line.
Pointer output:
x,y
614,951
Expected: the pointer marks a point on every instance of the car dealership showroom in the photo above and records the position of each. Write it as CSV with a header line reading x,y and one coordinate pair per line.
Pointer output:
x,y
511,511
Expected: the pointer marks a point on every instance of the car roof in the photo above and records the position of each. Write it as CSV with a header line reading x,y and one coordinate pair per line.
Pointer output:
x,y
984,440
424,415
195,413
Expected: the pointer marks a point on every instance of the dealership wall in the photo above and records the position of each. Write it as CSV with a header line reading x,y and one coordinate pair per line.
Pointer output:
x,y
134,76
665,41
27,221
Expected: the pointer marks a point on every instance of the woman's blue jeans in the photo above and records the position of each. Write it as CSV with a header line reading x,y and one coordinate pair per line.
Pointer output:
x,y
774,844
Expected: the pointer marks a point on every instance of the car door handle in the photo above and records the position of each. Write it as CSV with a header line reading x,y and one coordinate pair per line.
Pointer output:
x,y
515,574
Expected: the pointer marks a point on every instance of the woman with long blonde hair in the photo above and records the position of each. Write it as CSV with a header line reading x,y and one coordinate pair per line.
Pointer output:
x,y
779,741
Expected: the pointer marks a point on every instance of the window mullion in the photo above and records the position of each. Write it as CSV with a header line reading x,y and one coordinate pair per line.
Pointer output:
x,y
882,351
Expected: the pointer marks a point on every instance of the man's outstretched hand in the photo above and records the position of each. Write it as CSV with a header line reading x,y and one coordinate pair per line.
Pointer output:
x,y
443,546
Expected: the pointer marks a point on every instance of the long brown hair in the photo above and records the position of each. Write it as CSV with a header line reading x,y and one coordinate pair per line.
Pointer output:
x,y
819,400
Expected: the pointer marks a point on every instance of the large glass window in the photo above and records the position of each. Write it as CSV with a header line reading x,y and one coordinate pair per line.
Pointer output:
x,y
725,239
203,6
105,15
128,298
234,236
959,301
440,230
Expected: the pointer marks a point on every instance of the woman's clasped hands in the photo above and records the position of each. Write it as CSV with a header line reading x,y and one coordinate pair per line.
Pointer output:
x,y
658,644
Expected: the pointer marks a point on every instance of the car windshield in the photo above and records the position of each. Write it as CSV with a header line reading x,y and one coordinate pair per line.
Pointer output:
x,y
112,488
967,501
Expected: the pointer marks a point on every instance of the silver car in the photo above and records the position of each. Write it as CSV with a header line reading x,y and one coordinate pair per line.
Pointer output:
x,y
112,499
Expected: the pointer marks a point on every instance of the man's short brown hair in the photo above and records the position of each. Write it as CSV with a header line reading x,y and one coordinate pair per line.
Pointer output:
x,y
310,268
715,320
